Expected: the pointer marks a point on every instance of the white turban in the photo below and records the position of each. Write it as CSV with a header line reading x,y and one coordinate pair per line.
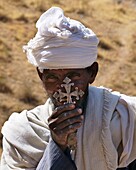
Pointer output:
x,y
61,43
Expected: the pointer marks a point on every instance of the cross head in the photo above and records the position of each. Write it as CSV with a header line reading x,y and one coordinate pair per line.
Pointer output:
x,y
68,94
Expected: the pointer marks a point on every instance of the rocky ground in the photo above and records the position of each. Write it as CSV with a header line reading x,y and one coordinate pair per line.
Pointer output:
x,y
114,21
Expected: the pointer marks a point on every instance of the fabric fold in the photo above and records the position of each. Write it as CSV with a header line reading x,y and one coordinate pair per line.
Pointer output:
x,y
61,42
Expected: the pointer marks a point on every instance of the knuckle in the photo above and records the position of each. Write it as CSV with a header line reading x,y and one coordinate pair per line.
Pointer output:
x,y
69,121
65,114
48,120
76,119
58,110
70,126
76,125
58,132
61,108
55,110
51,125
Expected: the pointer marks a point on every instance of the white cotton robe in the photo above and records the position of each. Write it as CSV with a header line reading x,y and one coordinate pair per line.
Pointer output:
x,y
110,119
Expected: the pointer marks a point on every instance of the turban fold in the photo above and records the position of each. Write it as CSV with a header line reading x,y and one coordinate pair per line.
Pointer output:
x,y
61,43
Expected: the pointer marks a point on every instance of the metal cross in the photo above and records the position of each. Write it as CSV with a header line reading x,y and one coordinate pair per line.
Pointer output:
x,y
59,95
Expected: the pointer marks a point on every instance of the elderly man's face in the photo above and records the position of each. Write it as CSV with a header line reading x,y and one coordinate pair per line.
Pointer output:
x,y
53,80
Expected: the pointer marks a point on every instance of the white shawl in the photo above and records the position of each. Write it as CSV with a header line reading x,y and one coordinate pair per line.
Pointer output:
x,y
108,120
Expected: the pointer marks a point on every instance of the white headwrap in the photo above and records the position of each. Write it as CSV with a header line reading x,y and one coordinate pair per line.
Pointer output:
x,y
61,43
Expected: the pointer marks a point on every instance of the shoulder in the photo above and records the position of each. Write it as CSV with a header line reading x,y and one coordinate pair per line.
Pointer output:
x,y
104,93
27,119
40,112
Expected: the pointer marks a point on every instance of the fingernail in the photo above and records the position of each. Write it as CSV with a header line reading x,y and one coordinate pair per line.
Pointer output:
x,y
82,117
79,110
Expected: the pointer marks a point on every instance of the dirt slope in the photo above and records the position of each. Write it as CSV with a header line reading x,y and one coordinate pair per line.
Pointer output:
x,y
113,21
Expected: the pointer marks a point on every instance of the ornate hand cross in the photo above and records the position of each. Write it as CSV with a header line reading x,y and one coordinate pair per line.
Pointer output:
x,y
59,95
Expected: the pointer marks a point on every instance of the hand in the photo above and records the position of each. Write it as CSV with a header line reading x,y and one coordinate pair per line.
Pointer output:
x,y
64,120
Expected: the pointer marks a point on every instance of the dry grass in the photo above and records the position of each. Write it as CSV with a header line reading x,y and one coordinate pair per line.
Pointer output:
x,y
26,95
112,20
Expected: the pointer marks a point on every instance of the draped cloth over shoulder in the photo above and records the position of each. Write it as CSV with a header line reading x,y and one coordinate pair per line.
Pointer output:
x,y
61,42
103,129
26,136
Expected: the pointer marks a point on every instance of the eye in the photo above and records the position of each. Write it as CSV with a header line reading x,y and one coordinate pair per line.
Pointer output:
x,y
51,78
74,76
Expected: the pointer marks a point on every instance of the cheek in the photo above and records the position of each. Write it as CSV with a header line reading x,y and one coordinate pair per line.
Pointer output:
x,y
81,85
50,88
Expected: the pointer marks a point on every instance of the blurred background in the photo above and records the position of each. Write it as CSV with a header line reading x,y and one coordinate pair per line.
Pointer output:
x,y
114,22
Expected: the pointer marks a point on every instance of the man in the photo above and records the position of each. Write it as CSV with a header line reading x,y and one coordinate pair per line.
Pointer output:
x,y
79,127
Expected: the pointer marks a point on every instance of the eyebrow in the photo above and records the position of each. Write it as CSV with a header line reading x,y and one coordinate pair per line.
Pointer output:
x,y
73,73
49,75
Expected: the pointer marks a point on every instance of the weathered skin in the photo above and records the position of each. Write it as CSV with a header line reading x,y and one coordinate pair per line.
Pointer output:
x,y
67,118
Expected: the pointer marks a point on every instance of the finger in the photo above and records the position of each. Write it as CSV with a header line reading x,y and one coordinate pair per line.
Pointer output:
x,y
71,121
68,130
69,114
60,109
53,123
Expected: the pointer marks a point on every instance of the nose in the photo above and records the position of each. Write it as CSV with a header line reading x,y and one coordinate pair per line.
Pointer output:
x,y
59,84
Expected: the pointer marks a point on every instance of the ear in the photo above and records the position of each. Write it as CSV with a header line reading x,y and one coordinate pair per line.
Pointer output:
x,y
93,70
39,73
